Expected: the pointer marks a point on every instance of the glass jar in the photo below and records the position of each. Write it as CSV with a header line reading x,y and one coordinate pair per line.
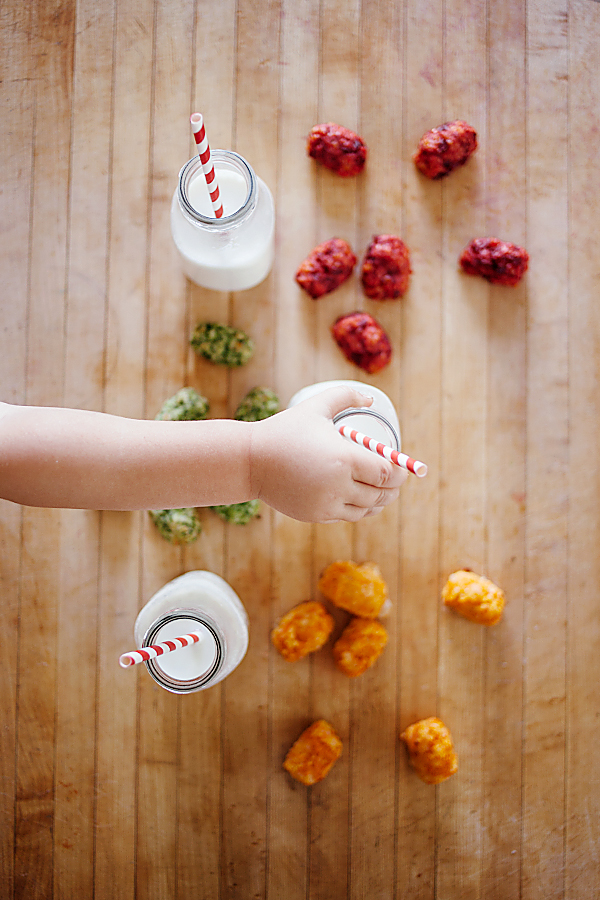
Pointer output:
x,y
197,601
232,253
379,421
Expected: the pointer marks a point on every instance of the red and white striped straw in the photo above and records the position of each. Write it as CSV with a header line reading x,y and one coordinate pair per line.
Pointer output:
x,y
207,164
400,459
137,656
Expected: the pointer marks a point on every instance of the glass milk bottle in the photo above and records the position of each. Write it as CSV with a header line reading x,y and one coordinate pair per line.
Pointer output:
x,y
197,601
379,421
232,253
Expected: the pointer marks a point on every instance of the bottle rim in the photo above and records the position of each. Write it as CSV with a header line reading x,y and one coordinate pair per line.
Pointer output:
x,y
193,167
374,414
184,686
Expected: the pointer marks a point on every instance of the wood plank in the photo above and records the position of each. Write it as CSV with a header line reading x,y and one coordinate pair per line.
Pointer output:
x,y
464,385
505,565
74,774
75,731
248,564
120,590
199,833
374,700
35,697
547,463
52,48
582,863
15,214
116,742
10,558
420,421
167,345
293,577
337,216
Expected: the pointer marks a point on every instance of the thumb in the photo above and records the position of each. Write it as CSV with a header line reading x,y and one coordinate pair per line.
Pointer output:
x,y
333,400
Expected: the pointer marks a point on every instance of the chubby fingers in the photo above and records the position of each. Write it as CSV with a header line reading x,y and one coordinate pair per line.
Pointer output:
x,y
366,496
369,468
356,513
375,484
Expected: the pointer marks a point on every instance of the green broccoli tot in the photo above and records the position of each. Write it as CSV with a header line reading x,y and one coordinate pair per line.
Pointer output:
x,y
178,526
222,344
186,405
238,513
259,403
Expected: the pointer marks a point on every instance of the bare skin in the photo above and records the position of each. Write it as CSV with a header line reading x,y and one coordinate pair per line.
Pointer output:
x,y
295,461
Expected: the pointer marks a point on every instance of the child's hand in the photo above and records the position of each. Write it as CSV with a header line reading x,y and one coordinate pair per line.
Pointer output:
x,y
302,466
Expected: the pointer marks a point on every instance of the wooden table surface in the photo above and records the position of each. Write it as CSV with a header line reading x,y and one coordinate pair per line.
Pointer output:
x,y
114,788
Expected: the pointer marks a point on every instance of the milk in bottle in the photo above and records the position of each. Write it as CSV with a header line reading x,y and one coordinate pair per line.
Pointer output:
x,y
232,253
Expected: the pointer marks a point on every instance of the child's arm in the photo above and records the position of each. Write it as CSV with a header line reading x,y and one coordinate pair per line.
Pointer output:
x,y
296,461
89,460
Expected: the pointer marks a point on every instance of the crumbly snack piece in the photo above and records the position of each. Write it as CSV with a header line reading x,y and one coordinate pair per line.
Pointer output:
x,y
258,404
363,341
238,513
186,405
499,262
359,589
386,268
311,757
445,148
326,267
178,526
337,148
222,344
360,644
474,596
302,630
431,751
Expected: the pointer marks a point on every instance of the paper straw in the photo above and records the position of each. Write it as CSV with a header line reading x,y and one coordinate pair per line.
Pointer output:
x,y
400,459
137,656
207,164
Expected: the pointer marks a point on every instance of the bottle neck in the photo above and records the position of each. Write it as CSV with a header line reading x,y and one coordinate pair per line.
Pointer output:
x,y
224,161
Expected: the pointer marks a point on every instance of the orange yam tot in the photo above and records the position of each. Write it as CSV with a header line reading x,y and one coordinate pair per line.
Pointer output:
x,y
430,750
311,757
359,589
474,596
302,630
360,644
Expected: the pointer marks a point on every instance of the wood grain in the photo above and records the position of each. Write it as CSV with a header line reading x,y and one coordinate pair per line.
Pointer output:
x,y
113,788
17,153
506,216
547,460
582,864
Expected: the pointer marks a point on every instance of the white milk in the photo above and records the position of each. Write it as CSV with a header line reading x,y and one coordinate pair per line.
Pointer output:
x,y
232,253
233,194
379,421
197,601
191,662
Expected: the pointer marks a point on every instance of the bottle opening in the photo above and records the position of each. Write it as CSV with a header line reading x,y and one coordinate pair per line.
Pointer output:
x,y
190,668
370,422
237,189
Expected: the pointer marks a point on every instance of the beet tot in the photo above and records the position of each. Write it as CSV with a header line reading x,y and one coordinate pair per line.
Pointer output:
x,y
337,148
386,268
499,262
326,267
445,148
363,341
